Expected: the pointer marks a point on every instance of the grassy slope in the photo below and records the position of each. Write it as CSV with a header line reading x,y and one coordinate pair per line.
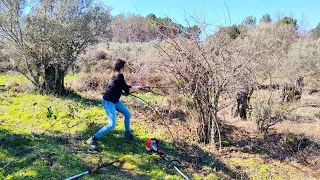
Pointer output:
x,y
12,77
25,115
60,152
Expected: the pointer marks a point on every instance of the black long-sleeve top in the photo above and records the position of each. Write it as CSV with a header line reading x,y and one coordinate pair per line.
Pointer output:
x,y
115,87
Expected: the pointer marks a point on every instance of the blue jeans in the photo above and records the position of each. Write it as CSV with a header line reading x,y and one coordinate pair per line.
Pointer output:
x,y
111,108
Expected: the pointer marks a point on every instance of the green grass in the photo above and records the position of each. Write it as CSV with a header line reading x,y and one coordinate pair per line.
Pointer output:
x,y
43,137
15,82
260,168
149,97
12,77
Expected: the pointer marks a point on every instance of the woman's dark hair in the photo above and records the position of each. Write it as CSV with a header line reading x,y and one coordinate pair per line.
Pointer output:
x,y
119,64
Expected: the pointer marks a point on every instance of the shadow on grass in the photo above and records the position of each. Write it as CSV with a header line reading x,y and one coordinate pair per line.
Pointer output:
x,y
197,158
278,146
113,144
57,156
44,153
41,157
72,95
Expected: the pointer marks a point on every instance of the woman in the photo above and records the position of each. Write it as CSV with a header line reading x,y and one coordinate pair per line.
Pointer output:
x,y
111,103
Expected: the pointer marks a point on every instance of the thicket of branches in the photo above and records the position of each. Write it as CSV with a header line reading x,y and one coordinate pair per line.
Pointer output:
x,y
226,68
234,62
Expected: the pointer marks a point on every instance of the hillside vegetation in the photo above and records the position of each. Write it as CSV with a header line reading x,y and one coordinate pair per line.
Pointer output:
x,y
240,102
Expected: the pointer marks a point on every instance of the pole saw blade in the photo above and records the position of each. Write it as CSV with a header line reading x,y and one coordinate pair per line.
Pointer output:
x,y
152,147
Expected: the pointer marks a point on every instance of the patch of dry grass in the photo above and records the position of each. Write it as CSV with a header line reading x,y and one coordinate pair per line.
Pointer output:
x,y
309,129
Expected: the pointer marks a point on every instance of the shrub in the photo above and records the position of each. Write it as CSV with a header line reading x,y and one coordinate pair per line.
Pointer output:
x,y
97,66
265,117
90,82
99,55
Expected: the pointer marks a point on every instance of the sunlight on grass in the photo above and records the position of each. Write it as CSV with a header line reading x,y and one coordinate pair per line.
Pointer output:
x,y
151,97
73,76
27,113
37,113
12,77
307,112
257,168
25,174
44,133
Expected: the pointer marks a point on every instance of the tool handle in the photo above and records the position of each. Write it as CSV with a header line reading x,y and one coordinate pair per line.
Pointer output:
x,y
94,169
180,172
174,166
104,165
171,163
78,175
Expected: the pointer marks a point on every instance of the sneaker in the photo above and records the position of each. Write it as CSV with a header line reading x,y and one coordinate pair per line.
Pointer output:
x,y
128,135
92,142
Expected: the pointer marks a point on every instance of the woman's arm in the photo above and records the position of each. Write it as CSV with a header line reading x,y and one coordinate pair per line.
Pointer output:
x,y
126,87
135,88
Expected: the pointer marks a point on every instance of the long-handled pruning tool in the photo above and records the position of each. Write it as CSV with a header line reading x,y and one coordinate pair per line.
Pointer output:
x,y
95,169
151,146
127,94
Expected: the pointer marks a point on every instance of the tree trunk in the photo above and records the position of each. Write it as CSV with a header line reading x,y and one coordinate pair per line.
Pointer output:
x,y
206,112
291,92
53,81
243,99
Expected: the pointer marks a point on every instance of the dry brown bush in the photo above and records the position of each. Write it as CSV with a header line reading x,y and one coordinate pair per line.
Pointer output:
x,y
90,82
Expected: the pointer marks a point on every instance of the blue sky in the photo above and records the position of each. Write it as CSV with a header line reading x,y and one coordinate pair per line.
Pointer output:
x,y
216,13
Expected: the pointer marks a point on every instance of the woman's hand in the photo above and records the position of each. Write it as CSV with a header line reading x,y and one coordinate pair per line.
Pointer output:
x,y
135,88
